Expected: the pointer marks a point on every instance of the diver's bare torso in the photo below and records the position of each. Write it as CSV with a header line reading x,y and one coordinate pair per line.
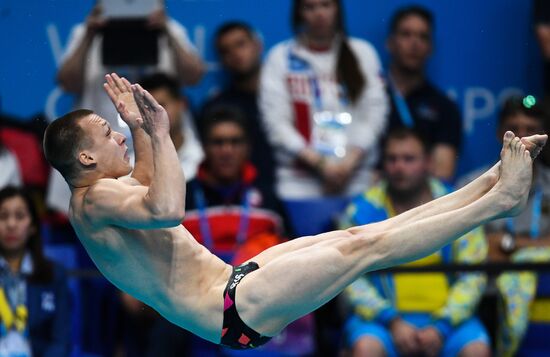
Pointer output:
x,y
165,268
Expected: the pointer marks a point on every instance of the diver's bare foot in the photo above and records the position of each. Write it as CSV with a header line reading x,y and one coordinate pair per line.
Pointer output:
x,y
534,143
515,175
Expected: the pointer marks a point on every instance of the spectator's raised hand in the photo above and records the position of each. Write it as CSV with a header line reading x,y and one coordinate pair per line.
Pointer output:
x,y
95,21
120,92
153,116
157,20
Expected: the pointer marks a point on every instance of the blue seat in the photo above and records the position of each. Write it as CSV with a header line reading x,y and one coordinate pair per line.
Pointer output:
x,y
314,216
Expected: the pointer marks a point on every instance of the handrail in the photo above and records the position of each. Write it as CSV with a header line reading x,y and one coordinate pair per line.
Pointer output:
x,y
489,268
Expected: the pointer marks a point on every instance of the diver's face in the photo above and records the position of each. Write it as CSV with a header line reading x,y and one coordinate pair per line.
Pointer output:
x,y
108,150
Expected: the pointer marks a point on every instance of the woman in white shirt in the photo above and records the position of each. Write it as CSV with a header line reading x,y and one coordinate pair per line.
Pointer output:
x,y
324,105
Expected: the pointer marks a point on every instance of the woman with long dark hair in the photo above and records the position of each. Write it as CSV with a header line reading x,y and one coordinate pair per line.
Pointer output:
x,y
324,104
34,298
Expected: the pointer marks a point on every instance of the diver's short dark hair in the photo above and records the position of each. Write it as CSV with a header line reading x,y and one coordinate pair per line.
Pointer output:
x,y
63,138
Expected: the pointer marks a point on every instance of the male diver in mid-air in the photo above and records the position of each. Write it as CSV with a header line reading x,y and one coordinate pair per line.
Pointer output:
x,y
130,226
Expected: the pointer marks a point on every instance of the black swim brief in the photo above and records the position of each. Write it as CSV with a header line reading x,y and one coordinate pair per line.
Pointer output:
x,y
235,333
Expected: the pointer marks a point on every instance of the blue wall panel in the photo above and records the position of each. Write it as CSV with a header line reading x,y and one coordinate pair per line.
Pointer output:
x,y
484,50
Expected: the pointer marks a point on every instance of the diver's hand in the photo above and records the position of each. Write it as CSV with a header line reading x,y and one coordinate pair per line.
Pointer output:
x,y
154,118
120,92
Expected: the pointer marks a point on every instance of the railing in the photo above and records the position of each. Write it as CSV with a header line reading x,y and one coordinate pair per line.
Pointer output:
x,y
488,268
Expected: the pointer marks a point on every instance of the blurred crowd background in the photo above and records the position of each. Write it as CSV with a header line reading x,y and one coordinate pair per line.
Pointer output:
x,y
290,118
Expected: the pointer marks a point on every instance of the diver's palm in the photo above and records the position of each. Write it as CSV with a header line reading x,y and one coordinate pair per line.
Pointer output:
x,y
153,116
129,112
120,92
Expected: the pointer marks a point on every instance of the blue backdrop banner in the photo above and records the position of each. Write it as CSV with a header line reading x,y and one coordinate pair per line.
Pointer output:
x,y
484,51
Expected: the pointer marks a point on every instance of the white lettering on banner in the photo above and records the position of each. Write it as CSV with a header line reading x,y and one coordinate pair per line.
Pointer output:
x,y
55,43
199,34
473,111
506,93
51,103
452,94
57,52
480,103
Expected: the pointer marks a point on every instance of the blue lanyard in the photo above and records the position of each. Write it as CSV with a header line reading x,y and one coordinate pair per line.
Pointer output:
x,y
401,105
206,233
316,92
534,231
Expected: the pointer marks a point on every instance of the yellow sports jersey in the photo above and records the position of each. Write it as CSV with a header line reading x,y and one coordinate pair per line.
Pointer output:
x,y
448,298
426,292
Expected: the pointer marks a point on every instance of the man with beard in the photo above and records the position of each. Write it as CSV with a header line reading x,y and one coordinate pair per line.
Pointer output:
x,y
239,50
414,314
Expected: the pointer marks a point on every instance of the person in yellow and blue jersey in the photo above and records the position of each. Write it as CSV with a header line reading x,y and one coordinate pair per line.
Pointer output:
x,y
428,314
34,296
521,239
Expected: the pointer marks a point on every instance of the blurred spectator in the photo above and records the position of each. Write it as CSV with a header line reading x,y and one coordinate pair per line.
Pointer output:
x,y
82,69
226,210
34,297
239,50
524,238
323,103
234,217
415,101
165,89
21,156
10,173
414,314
